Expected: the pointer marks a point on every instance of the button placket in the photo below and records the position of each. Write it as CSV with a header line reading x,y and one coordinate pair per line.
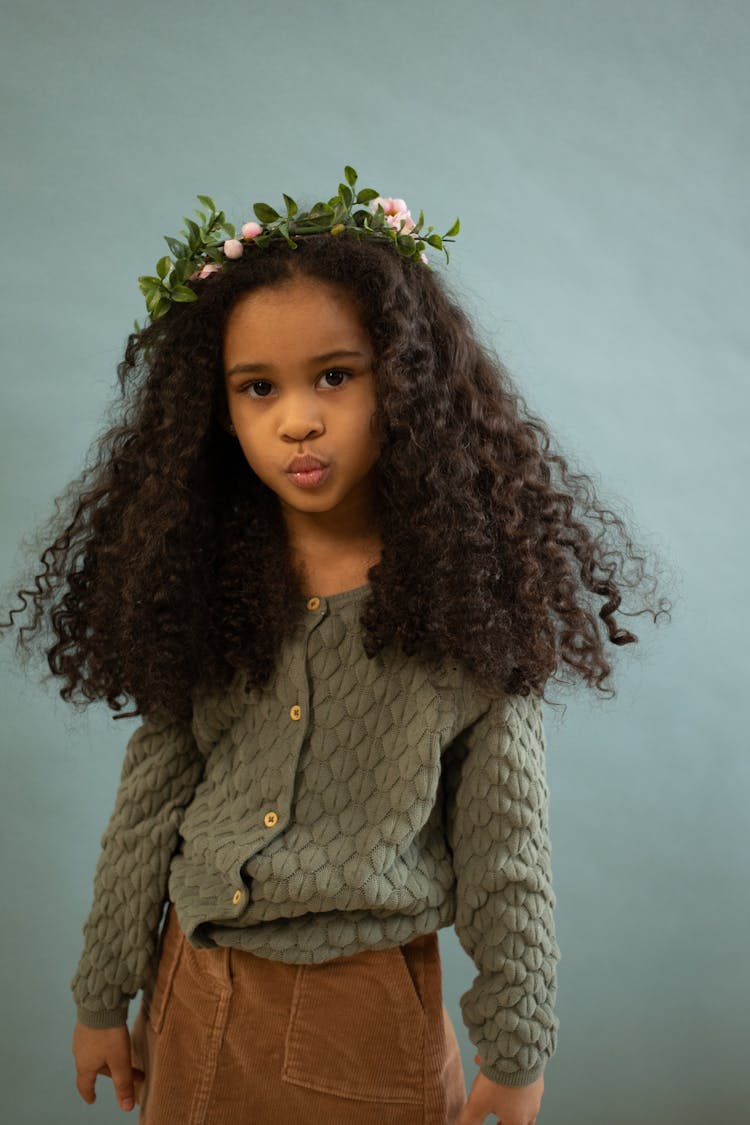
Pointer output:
x,y
271,817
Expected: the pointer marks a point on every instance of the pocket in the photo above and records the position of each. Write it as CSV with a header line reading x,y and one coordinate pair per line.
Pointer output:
x,y
169,958
413,960
356,1026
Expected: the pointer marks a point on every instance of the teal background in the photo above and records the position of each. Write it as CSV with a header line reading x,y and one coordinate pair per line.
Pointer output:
x,y
597,155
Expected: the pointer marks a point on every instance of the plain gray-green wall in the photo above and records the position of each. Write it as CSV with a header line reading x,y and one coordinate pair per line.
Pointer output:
x,y
597,155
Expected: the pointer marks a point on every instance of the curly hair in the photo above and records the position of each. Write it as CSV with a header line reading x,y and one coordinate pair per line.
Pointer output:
x,y
169,567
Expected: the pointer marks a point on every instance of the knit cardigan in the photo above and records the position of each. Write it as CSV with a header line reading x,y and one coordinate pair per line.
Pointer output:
x,y
350,803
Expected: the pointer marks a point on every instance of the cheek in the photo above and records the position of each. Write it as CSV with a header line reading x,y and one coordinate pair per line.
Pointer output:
x,y
363,442
253,454
374,436
365,431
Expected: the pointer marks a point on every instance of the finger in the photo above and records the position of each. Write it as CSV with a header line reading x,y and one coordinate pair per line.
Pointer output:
x,y
122,1078
85,1081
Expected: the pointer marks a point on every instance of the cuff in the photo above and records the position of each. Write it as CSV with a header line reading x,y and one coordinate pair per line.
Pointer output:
x,y
515,1078
112,1018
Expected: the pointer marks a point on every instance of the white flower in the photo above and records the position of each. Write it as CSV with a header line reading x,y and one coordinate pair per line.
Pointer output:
x,y
232,248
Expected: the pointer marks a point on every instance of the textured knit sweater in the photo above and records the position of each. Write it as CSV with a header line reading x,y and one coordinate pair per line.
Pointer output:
x,y
350,803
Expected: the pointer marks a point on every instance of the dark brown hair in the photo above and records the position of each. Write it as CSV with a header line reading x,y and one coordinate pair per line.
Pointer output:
x,y
167,565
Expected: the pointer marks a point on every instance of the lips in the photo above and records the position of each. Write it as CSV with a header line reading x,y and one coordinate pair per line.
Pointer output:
x,y
305,464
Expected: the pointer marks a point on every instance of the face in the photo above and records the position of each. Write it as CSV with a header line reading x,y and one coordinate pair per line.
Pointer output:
x,y
292,391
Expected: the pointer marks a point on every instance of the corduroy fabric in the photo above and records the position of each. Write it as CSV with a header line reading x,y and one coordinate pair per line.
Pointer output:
x,y
350,804
230,1038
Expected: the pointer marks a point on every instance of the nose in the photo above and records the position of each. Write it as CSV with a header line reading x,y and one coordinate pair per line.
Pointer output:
x,y
301,430
300,422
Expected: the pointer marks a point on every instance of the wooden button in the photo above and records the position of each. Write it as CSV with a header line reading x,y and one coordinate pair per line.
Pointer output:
x,y
296,711
270,819
313,603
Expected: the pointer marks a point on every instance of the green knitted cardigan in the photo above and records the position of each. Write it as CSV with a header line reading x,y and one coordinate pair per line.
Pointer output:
x,y
349,804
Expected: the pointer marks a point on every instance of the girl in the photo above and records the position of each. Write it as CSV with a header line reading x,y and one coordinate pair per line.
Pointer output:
x,y
333,562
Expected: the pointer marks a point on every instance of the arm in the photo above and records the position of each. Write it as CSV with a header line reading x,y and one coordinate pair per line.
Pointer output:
x,y
497,826
161,769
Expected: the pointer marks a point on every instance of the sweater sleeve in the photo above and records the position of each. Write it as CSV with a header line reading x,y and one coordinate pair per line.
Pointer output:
x,y
161,769
497,803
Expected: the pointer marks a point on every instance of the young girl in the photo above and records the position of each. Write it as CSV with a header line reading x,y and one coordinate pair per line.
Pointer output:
x,y
333,563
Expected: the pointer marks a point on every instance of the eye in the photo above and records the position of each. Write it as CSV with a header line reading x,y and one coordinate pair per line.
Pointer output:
x,y
336,371
265,383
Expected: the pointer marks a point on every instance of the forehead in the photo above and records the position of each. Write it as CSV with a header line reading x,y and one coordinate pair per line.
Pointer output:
x,y
304,313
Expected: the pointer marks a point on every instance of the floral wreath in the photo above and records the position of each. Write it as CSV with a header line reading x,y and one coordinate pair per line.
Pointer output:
x,y
204,252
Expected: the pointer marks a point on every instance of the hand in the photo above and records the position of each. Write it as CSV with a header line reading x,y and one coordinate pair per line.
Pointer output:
x,y
513,1105
105,1050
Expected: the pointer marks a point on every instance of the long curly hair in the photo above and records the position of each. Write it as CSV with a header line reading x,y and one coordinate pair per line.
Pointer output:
x,y
167,566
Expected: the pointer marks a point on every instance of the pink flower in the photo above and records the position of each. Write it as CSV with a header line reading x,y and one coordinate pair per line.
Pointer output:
x,y
232,248
397,214
390,206
251,230
402,220
206,271
424,257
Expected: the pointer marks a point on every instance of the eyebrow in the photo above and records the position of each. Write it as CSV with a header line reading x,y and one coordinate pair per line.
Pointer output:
x,y
250,367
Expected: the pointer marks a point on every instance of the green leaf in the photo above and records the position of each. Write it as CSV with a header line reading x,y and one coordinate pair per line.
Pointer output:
x,y
136,327
182,293
454,230
207,201
179,249
406,242
346,195
367,194
291,206
163,266
265,213
229,228
182,270
435,240
193,229
421,219
146,283
283,228
351,175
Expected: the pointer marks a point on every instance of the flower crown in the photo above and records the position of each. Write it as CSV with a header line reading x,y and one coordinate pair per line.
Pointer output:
x,y
204,253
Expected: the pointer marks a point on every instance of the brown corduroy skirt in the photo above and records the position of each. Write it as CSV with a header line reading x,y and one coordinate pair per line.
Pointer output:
x,y
229,1038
